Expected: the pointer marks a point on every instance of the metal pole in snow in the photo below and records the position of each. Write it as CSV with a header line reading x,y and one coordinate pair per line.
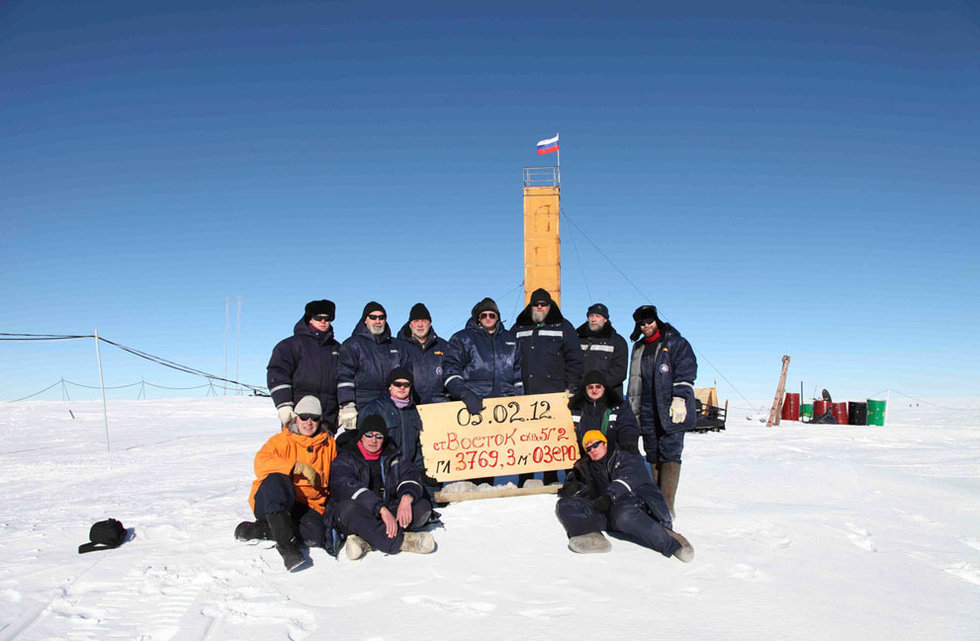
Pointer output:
x,y
105,411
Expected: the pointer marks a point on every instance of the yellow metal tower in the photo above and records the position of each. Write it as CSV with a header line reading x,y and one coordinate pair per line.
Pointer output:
x,y
542,242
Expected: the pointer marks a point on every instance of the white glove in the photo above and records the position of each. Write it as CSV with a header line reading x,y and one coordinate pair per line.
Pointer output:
x,y
286,414
348,417
678,409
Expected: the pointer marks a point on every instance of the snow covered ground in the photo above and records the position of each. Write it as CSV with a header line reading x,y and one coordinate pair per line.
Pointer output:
x,y
801,532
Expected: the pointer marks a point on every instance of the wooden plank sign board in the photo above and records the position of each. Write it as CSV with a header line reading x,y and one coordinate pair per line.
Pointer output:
x,y
512,435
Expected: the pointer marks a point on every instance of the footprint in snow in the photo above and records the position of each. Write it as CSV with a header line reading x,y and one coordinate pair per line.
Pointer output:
x,y
468,608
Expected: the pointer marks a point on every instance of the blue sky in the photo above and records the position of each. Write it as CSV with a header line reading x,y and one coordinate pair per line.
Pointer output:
x,y
778,178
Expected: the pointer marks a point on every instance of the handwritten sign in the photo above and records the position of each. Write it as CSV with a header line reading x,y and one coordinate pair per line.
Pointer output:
x,y
512,435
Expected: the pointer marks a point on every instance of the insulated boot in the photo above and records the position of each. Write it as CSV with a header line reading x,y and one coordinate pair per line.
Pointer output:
x,y
670,474
419,542
591,543
685,552
356,547
253,531
281,527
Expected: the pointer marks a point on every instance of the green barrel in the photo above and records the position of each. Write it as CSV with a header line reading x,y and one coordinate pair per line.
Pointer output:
x,y
806,411
876,412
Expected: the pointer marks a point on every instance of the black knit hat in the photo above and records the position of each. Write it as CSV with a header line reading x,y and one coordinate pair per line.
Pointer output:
x,y
372,423
317,307
485,305
419,312
598,308
541,294
397,373
372,307
594,376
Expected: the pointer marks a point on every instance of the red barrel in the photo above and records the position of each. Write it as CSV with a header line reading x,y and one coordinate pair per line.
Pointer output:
x,y
840,412
820,408
791,407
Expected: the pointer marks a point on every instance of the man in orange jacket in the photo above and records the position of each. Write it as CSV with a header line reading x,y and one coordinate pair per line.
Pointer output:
x,y
289,494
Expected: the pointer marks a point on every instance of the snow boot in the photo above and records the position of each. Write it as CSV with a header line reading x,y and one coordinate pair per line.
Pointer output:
x,y
356,547
419,542
685,552
670,474
281,527
591,543
253,531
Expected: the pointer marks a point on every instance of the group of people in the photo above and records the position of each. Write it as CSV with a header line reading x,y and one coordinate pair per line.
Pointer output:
x,y
369,486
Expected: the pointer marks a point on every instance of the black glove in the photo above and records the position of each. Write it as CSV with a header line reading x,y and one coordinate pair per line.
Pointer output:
x,y
474,404
602,504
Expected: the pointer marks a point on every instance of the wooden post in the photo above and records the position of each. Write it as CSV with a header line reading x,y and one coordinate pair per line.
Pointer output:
x,y
777,403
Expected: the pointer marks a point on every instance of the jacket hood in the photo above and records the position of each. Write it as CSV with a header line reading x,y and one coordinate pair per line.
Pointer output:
x,y
361,330
473,323
583,331
610,399
554,315
307,441
405,333
303,328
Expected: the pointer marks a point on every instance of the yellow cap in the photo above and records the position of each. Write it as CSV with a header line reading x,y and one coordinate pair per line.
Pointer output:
x,y
593,435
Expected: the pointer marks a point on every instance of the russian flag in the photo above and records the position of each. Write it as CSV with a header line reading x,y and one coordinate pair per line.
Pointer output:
x,y
547,146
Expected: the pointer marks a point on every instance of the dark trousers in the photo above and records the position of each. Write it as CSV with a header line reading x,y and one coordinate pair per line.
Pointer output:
x,y
627,517
354,518
275,494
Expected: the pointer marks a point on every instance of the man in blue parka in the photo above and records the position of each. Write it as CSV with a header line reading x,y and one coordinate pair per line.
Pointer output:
x,y
551,358
365,358
609,489
482,359
426,352
376,494
597,407
398,410
661,392
305,364
603,348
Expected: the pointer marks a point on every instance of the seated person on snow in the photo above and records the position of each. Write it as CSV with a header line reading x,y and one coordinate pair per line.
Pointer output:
x,y
376,494
289,495
596,406
609,489
401,416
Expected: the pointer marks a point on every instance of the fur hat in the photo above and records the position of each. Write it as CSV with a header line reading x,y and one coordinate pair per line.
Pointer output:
x,y
593,435
598,308
419,312
643,313
317,307
372,423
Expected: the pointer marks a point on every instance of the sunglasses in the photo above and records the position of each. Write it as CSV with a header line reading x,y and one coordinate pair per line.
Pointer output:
x,y
647,322
402,384
374,435
542,303
376,316
308,417
321,318
488,315
595,444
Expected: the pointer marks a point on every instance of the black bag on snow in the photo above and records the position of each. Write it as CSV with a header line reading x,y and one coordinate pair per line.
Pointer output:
x,y
104,535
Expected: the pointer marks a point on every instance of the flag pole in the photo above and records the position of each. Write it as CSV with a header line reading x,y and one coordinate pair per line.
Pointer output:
x,y
558,136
